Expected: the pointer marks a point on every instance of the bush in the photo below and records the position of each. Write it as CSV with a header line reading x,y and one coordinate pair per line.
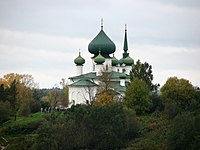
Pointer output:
x,y
5,111
184,133
87,127
137,96
24,109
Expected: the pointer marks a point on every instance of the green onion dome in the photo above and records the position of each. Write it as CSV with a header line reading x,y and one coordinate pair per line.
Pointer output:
x,y
79,61
115,61
122,76
103,42
121,61
128,61
99,59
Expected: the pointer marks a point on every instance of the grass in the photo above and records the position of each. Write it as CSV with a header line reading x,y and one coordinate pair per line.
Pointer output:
x,y
152,134
21,131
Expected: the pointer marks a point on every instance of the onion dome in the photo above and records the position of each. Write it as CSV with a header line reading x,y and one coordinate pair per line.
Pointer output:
x,y
128,61
122,76
99,59
114,61
121,61
103,42
79,61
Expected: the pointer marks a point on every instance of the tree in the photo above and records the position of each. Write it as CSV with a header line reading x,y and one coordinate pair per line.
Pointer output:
x,y
105,83
137,96
23,82
106,94
54,97
104,99
65,93
184,132
4,111
144,72
18,89
179,92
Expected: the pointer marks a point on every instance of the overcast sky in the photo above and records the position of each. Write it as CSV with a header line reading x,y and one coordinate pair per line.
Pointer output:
x,y
42,37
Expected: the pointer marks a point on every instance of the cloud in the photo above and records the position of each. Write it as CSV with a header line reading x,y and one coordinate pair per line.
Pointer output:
x,y
39,55
43,37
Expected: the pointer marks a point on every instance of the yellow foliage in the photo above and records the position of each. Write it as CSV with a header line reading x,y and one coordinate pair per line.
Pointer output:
x,y
24,83
104,99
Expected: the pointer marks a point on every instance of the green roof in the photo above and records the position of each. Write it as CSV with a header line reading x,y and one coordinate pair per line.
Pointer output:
x,y
99,59
122,76
92,75
79,60
83,83
102,42
118,87
114,61
125,41
128,61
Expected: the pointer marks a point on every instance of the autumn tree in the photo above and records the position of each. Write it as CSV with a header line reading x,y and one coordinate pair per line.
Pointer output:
x,y
178,91
106,94
137,96
19,88
24,84
143,71
65,93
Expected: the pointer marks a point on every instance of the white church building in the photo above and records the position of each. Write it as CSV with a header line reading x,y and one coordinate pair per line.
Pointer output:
x,y
83,87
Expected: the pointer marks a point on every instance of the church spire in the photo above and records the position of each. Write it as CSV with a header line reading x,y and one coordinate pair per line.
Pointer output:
x,y
125,40
101,23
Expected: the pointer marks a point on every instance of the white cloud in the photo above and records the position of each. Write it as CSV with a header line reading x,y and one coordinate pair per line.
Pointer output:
x,y
48,57
43,37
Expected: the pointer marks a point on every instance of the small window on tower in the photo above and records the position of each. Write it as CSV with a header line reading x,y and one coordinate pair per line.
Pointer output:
x,y
87,102
124,70
106,67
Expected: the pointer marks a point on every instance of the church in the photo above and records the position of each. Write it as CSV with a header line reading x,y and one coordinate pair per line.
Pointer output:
x,y
83,87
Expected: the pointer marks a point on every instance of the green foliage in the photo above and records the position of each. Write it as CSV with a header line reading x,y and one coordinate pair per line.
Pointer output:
x,y
153,131
137,96
24,109
144,72
87,127
178,91
22,125
157,102
4,111
185,132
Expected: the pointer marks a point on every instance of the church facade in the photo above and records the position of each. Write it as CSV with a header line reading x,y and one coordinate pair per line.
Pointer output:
x,y
83,87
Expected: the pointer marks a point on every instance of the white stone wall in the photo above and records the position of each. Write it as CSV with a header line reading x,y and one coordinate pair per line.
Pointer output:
x,y
79,70
108,63
80,95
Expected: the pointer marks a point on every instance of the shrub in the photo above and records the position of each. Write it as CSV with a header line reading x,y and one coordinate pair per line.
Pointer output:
x,y
87,127
5,111
184,133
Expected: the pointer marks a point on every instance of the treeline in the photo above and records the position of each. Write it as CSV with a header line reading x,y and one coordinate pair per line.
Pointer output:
x,y
21,96
150,117
88,127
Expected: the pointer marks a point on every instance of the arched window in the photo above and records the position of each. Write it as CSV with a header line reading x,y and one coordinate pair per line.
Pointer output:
x,y
106,67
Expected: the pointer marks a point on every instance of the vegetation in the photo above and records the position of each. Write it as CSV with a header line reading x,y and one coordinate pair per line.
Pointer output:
x,y
137,96
144,72
179,92
146,120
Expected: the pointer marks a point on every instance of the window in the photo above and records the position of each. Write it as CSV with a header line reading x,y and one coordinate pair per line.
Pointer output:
x,y
87,102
